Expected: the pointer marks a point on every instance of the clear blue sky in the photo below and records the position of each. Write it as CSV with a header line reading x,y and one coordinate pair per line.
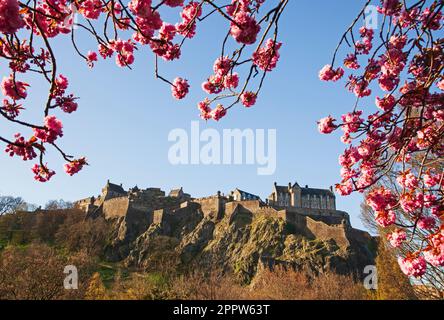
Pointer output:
x,y
124,116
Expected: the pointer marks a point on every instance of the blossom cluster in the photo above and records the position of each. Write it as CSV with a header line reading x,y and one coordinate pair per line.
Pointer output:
x,y
120,30
403,134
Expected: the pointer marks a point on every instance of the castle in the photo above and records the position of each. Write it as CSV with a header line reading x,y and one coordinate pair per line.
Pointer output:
x,y
152,205
307,198
137,214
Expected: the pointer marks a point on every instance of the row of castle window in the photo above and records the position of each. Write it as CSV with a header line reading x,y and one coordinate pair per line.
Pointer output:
x,y
314,202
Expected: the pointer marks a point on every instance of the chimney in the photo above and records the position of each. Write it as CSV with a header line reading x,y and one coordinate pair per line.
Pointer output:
x,y
331,188
306,186
289,186
275,184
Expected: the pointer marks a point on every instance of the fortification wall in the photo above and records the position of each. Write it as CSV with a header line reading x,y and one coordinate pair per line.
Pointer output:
x,y
158,216
83,204
271,211
250,205
144,203
211,206
323,231
115,208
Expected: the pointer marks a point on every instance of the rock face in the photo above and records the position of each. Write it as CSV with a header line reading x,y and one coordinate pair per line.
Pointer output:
x,y
239,233
244,242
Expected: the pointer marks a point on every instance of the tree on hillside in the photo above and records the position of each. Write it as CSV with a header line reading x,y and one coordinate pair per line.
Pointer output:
x,y
392,283
10,204
393,242
58,204
96,289
395,142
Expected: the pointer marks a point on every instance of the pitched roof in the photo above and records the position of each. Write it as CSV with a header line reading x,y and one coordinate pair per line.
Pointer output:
x,y
247,194
114,187
281,188
317,192
306,190
175,192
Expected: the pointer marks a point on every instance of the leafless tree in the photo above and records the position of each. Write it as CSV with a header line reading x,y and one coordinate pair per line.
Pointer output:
x,y
10,204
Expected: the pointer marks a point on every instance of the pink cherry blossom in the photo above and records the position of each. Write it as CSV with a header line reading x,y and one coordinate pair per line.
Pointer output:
x,y
397,237
12,109
22,148
174,3
189,14
381,199
385,218
125,52
413,266
53,129
14,89
351,62
328,74
222,66
214,84
205,110
389,7
364,45
431,180
326,125
180,88
386,103
91,9
407,180
167,31
352,121
219,112
267,57
91,58
231,81
42,173
61,84
435,256
74,166
10,18
248,98
141,8
67,104
344,189
244,28
426,223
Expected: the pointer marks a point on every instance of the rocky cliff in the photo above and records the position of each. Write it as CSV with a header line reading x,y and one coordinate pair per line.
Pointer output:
x,y
243,242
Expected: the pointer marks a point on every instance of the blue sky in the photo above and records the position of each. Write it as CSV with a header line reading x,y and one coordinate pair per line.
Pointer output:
x,y
124,116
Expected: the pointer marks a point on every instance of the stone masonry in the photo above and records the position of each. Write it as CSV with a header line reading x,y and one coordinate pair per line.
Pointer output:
x,y
309,211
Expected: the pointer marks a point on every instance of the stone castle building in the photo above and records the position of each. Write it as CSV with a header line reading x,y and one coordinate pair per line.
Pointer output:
x,y
137,212
297,197
290,202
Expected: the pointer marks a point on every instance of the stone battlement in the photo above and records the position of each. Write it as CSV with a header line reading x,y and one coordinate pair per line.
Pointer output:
x,y
152,206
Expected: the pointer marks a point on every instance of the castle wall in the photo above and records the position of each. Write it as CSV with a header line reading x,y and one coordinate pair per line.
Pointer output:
x,y
158,216
323,231
115,208
327,215
146,203
212,206
250,205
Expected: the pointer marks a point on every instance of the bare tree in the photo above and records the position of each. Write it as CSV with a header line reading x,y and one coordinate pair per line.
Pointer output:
x,y
10,204
58,204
